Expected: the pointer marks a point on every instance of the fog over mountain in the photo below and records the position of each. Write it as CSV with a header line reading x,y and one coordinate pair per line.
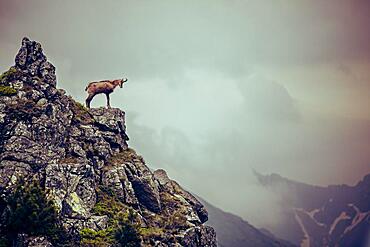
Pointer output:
x,y
219,88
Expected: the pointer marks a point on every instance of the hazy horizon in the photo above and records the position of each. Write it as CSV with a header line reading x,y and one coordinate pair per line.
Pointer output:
x,y
219,88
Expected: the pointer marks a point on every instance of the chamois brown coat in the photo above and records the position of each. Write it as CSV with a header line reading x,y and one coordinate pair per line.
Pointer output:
x,y
106,87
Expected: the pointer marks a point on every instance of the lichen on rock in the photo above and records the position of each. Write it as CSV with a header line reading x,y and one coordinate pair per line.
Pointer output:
x,y
102,190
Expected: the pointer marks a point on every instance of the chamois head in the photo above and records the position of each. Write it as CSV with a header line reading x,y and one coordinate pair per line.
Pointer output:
x,y
122,81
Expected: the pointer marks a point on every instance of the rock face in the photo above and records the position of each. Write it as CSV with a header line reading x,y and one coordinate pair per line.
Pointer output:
x,y
81,159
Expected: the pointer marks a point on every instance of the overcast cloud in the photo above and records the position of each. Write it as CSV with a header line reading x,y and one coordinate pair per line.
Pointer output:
x,y
218,88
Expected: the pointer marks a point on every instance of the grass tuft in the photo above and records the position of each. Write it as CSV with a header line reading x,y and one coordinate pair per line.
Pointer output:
x,y
122,230
7,91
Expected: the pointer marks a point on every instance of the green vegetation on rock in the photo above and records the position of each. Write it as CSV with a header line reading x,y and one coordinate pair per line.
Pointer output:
x,y
6,78
123,227
27,210
7,91
107,203
8,75
151,232
80,113
101,238
124,156
127,235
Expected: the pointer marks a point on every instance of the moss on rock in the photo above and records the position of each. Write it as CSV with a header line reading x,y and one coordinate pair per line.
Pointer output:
x,y
123,227
81,114
8,75
94,238
7,91
128,155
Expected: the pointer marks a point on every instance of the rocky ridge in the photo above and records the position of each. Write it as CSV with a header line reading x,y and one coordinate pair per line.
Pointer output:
x,y
80,159
315,216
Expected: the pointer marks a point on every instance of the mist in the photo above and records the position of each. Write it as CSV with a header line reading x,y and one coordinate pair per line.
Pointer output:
x,y
219,88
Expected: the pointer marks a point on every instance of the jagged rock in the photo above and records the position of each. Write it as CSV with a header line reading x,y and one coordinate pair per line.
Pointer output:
x,y
39,242
147,193
204,236
112,126
116,179
112,120
71,186
81,158
95,223
174,188
25,241
11,173
31,58
74,207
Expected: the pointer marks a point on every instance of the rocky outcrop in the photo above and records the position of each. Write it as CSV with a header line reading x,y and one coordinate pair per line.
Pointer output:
x,y
199,213
82,161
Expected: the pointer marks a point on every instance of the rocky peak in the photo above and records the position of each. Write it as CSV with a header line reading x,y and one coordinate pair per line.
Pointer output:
x,y
100,189
30,59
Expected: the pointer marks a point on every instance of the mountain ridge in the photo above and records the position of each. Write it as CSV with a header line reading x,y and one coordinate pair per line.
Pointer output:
x,y
335,215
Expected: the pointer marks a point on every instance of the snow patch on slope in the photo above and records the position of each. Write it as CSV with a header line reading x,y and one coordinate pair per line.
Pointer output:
x,y
357,219
306,239
342,216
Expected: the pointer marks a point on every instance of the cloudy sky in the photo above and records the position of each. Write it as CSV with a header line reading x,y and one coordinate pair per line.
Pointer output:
x,y
218,88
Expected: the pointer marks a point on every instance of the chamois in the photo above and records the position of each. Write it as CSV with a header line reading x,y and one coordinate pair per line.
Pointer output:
x,y
106,87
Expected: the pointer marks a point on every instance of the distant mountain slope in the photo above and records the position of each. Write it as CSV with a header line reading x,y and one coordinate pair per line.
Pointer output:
x,y
337,215
233,231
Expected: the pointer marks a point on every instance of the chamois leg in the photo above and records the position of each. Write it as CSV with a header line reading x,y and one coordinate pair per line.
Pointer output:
x,y
88,100
108,100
